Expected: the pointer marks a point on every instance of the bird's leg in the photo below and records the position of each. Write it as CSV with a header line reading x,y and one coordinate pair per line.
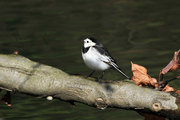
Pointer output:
x,y
91,74
101,76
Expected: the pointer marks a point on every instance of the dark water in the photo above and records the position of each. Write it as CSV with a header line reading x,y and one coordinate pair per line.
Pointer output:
x,y
146,32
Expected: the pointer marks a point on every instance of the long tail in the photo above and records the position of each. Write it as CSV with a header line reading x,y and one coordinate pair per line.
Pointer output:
x,y
119,70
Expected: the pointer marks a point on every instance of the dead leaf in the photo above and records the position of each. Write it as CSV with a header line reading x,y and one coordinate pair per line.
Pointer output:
x,y
140,76
178,92
167,88
173,64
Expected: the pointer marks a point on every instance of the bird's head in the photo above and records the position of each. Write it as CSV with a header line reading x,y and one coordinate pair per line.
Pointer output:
x,y
89,42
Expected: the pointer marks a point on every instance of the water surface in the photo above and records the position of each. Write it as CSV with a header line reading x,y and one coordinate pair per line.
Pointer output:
x,y
51,32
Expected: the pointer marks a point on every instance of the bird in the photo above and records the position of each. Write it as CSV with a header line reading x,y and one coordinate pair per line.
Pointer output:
x,y
97,58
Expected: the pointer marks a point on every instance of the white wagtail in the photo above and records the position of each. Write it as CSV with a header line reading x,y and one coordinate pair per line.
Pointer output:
x,y
97,57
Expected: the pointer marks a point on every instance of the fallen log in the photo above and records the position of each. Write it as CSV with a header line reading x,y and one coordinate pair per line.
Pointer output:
x,y
18,73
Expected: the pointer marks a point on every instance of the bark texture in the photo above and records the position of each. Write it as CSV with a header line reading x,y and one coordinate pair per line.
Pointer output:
x,y
23,75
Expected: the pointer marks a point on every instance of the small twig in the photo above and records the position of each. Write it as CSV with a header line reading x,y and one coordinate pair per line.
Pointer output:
x,y
2,88
160,81
162,84
161,77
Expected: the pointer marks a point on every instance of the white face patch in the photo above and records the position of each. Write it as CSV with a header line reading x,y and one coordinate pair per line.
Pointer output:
x,y
88,43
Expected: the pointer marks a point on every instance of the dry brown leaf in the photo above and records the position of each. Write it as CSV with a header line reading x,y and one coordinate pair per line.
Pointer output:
x,y
167,88
178,92
141,78
173,64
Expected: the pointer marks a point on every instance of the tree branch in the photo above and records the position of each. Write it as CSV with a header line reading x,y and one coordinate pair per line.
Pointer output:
x,y
23,75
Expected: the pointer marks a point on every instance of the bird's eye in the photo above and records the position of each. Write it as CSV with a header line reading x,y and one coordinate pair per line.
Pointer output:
x,y
87,41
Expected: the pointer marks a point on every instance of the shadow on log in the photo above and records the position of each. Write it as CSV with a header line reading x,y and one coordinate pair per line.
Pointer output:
x,y
18,73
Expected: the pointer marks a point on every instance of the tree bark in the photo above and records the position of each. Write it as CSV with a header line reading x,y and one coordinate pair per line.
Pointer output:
x,y
23,75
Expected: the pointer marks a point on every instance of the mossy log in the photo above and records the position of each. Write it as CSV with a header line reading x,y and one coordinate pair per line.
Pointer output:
x,y
18,73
